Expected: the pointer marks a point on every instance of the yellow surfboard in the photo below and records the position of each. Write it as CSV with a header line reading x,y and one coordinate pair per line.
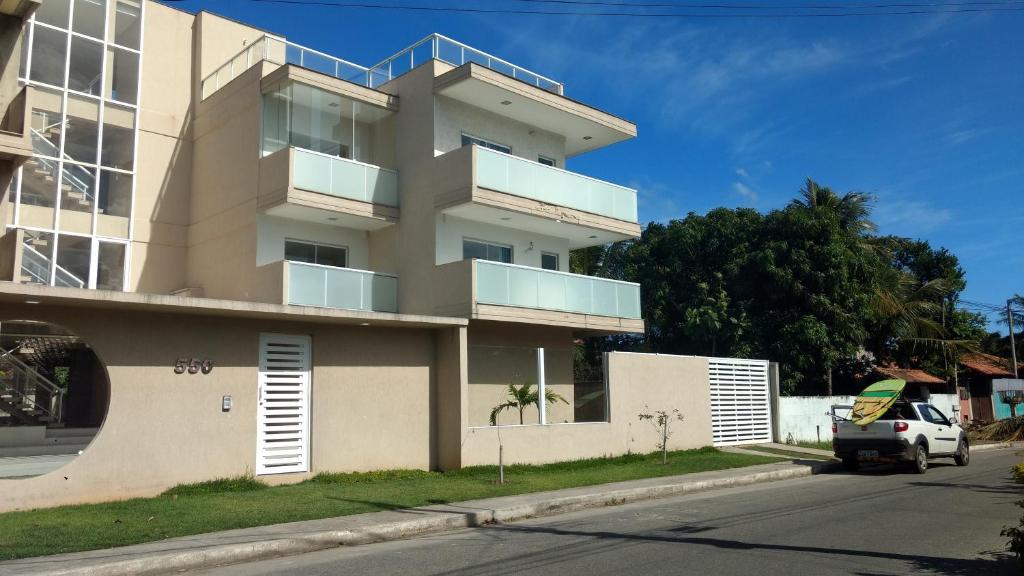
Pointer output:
x,y
875,400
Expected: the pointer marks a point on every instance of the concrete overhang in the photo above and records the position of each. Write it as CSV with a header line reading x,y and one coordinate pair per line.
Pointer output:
x,y
278,195
585,128
19,8
27,295
498,209
357,92
15,138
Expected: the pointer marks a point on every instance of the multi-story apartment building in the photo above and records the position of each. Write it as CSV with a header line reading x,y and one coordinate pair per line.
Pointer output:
x,y
183,184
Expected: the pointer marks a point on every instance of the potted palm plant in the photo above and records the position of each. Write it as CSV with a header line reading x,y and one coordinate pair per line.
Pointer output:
x,y
520,398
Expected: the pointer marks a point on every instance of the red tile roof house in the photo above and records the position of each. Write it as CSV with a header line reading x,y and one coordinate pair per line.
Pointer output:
x,y
977,370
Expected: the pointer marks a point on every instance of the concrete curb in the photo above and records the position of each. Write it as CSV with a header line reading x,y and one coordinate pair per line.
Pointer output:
x,y
178,561
983,447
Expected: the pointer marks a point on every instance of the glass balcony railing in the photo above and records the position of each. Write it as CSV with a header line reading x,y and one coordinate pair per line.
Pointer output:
x,y
344,178
347,288
525,287
434,46
513,175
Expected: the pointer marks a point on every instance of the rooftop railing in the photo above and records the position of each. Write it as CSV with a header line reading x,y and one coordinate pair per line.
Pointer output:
x,y
435,46
281,51
456,53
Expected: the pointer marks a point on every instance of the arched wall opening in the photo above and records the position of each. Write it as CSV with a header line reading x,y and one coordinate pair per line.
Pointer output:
x,y
54,395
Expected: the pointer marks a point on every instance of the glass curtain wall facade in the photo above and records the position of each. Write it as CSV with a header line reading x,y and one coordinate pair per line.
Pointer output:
x,y
74,197
313,119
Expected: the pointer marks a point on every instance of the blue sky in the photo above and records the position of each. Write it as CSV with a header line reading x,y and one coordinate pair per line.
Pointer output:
x,y
926,112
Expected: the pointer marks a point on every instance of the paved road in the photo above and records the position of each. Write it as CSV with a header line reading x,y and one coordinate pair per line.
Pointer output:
x,y
945,522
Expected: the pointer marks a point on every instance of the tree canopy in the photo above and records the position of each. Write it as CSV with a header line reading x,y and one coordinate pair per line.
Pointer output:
x,y
810,286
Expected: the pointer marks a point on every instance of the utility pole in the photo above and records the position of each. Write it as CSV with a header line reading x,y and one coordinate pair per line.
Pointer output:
x,y
1013,346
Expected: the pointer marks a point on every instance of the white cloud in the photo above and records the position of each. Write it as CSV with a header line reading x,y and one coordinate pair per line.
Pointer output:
x,y
912,218
745,191
742,173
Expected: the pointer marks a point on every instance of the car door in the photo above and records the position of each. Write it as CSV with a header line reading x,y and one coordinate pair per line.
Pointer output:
x,y
942,437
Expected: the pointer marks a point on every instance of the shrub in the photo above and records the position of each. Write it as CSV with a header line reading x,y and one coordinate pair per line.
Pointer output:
x,y
1016,534
1018,472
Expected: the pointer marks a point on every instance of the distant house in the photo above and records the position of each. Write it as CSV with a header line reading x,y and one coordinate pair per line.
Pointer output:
x,y
915,379
977,370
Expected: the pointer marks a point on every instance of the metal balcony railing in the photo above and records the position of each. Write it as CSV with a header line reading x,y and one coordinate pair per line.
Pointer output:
x,y
434,46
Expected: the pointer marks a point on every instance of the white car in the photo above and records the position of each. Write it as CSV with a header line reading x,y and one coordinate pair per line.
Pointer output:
x,y
910,431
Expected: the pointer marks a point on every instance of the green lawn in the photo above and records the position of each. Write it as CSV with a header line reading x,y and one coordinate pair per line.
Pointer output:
x,y
242,503
788,453
819,445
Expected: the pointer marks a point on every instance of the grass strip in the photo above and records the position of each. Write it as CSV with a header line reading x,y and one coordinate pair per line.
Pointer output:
x,y
245,502
788,453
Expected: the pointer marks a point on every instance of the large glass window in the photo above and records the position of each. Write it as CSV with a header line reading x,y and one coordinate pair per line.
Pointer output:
x,y
126,25
86,68
81,138
36,257
122,76
315,253
313,119
73,259
110,260
47,107
468,140
55,12
118,137
87,50
49,56
89,17
481,250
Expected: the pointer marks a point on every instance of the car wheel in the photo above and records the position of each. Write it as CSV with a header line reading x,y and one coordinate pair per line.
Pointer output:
x,y
920,463
850,463
963,454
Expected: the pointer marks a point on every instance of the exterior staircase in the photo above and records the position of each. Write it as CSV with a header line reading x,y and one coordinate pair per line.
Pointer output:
x,y
28,397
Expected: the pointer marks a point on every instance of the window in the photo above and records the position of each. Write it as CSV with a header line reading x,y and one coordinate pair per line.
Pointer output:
x,y
547,161
549,260
468,140
486,251
930,414
313,253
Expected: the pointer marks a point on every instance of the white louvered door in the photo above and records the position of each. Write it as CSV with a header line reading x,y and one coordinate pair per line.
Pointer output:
x,y
740,401
282,412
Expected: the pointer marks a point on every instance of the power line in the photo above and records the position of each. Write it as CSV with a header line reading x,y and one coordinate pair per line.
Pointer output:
x,y
769,6
958,9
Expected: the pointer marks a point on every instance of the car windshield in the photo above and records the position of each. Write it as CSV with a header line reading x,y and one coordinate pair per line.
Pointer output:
x,y
900,411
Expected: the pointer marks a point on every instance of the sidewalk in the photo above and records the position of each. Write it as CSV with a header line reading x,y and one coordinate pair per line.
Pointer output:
x,y
237,546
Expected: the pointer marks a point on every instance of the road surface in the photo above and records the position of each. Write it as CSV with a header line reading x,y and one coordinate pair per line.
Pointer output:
x,y
880,521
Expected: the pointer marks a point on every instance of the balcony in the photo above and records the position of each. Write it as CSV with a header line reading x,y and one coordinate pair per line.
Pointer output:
x,y
302,284
487,290
435,46
19,8
15,129
495,188
307,185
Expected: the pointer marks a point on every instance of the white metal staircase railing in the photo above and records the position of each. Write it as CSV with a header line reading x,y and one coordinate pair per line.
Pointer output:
x,y
70,178
37,265
22,381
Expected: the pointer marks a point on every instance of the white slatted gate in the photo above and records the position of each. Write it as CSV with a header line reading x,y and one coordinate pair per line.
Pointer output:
x,y
282,425
740,402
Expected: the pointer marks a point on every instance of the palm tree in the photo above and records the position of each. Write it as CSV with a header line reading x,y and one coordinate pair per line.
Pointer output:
x,y
910,309
521,398
852,209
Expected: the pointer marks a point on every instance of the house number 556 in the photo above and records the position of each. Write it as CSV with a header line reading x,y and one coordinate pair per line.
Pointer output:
x,y
193,366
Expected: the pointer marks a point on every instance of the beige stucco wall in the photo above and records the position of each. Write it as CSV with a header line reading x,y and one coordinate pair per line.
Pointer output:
x,y
454,117
164,161
372,396
636,382
225,183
